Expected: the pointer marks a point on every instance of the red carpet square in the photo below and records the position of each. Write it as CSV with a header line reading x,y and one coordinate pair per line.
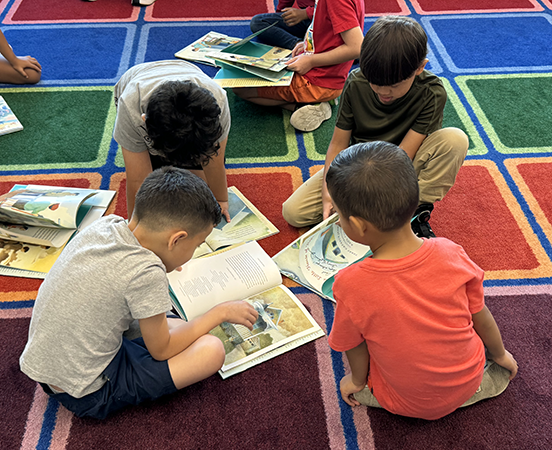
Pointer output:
x,y
202,10
532,176
473,6
481,214
384,7
63,11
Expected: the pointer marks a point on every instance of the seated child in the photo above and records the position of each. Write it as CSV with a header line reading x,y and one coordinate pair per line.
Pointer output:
x,y
17,69
113,274
391,98
321,64
412,318
292,23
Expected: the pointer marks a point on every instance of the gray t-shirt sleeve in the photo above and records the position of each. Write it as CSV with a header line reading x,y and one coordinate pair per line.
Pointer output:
x,y
142,300
126,132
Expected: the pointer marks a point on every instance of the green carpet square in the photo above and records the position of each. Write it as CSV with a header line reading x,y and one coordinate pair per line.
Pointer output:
x,y
455,115
513,110
317,142
64,127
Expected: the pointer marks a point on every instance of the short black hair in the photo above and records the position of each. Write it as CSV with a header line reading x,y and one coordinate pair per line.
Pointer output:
x,y
375,181
171,197
392,49
183,123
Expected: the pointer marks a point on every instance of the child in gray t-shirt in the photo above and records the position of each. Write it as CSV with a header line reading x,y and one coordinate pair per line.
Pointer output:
x,y
113,274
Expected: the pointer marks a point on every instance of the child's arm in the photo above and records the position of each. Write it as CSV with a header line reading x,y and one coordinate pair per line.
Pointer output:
x,y
19,64
340,141
412,142
359,361
215,174
163,343
349,50
137,168
487,329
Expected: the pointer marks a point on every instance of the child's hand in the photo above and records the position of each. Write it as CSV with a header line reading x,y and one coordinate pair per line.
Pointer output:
x,y
225,209
348,388
26,62
298,49
292,16
300,64
238,312
508,362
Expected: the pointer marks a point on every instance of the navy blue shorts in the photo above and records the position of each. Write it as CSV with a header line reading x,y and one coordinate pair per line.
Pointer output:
x,y
132,377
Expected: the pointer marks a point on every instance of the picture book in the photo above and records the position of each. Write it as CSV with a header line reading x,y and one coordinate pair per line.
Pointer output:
x,y
247,224
231,77
244,272
314,259
8,122
37,221
212,41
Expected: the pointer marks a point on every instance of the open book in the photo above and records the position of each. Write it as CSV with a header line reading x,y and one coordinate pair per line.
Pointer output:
x,y
314,259
37,221
247,224
244,272
8,122
198,50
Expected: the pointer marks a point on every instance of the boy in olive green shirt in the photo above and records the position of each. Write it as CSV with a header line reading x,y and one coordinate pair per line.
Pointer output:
x,y
391,98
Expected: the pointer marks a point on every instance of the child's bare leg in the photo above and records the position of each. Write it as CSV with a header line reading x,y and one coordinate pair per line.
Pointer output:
x,y
251,95
200,360
9,75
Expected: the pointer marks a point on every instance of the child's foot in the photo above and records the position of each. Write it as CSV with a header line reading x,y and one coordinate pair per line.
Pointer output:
x,y
310,117
420,222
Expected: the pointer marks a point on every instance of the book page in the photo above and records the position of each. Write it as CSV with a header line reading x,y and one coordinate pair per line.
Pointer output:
x,y
9,123
316,257
234,274
247,223
212,41
53,207
282,319
51,237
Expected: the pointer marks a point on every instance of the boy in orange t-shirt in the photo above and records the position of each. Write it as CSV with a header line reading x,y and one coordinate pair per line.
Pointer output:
x,y
412,318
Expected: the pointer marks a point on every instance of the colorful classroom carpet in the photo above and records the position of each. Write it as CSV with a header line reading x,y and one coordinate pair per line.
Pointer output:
x,y
496,61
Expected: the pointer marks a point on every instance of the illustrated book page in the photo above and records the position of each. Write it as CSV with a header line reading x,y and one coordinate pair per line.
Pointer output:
x,y
244,272
314,259
212,41
9,123
232,77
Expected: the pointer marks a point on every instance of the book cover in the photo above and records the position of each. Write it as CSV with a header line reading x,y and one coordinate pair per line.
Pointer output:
x,y
314,259
232,77
9,123
247,273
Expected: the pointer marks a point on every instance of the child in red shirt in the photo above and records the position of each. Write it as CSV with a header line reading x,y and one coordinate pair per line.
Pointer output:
x,y
412,318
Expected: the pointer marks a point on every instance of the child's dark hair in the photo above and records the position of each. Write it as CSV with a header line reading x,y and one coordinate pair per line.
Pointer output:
x,y
392,49
183,122
375,181
176,198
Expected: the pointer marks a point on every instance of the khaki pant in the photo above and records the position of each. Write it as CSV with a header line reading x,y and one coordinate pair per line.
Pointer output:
x,y
494,382
437,163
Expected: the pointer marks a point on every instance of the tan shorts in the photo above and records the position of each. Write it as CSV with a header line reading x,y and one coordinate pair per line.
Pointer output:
x,y
300,90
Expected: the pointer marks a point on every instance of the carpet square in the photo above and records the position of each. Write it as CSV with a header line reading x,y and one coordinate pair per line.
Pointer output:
x,y
481,214
93,54
532,176
53,136
42,11
179,10
386,7
512,109
471,6
513,42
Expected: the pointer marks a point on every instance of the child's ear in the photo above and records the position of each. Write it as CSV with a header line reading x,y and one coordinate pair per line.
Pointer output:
x,y
420,69
176,237
143,116
358,224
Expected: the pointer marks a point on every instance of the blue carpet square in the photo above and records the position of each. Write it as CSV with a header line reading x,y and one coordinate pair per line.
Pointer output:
x,y
75,54
511,42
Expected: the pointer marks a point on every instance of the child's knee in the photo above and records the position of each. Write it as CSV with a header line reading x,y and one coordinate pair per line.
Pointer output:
x,y
212,349
457,140
294,215
33,76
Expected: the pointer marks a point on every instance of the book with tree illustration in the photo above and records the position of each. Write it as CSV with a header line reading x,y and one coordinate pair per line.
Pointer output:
x,y
37,221
314,259
247,224
244,272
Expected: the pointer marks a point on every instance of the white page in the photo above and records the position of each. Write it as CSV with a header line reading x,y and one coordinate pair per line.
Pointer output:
x,y
230,275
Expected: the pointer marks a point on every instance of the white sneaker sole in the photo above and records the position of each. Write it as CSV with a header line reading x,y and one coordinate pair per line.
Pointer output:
x,y
310,117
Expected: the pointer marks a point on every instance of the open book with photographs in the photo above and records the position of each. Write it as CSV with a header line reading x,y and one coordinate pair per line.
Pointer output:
x,y
37,221
244,272
247,223
251,59
314,259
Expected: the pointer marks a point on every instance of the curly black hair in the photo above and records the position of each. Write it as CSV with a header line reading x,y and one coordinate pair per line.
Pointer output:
x,y
183,122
